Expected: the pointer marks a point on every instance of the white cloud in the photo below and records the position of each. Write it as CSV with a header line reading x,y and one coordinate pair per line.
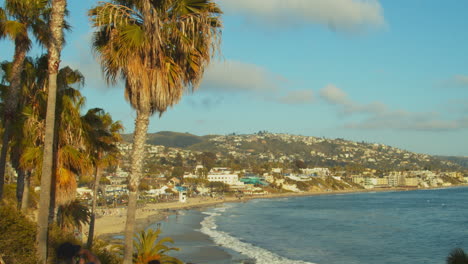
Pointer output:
x,y
409,121
297,97
379,116
334,95
235,76
458,80
337,14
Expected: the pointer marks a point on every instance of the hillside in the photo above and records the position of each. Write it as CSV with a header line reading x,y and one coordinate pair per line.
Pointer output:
x,y
169,139
462,161
313,151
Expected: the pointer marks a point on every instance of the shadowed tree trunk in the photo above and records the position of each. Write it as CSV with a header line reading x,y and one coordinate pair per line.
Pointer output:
x,y
54,49
11,105
138,152
97,178
26,194
15,162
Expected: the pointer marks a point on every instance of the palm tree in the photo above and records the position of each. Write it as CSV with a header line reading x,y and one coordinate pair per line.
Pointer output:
x,y
31,83
158,48
457,256
54,48
148,247
102,134
16,20
72,215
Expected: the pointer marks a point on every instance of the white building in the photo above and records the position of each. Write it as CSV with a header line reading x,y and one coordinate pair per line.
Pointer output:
x,y
230,179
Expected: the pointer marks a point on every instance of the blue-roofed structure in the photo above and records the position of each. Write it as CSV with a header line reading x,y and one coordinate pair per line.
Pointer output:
x,y
253,180
181,188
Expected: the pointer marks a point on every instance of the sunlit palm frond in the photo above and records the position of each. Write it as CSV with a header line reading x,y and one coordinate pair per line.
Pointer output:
x,y
65,186
148,247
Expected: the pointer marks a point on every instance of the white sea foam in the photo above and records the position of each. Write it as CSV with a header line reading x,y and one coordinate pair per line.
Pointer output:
x,y
261,256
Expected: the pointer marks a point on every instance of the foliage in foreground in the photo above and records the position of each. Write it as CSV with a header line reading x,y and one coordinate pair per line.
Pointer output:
x,y
457,256
18,234
148,247
107,254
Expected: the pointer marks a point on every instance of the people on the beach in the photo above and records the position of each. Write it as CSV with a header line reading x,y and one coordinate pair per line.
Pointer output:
x,y
69,253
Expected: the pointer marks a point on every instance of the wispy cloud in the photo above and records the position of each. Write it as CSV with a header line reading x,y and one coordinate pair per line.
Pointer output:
x,y
236,76
379,116
205,103
410,121
297,97
335,96
343,15
458,80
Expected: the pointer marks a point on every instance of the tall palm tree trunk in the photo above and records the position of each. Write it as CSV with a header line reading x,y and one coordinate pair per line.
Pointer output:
x,y
138,152
97,178
53,186
11,105
54,49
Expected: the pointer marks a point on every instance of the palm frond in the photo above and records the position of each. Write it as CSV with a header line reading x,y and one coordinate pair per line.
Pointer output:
x,y
457,256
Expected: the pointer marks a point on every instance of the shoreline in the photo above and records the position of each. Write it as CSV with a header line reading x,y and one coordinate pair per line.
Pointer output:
x,y
108,226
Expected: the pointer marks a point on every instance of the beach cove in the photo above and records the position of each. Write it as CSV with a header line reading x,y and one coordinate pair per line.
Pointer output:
x,y
189,223
112,222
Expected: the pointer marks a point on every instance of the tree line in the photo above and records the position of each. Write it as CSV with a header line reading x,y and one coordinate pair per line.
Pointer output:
x,y
158,49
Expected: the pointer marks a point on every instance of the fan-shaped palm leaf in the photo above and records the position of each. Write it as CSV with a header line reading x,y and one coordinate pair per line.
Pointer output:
x,y
457,256
160,49
148,247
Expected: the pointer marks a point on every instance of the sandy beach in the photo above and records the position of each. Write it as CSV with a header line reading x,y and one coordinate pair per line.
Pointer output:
x,y
112,221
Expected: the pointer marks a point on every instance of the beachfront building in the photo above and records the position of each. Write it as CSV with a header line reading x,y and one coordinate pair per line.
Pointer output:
x,y
382,182
412,182
358,179
322,172
229,179
224,175
114,190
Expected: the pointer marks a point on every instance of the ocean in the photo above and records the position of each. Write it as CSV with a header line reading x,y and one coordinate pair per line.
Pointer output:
x,y
420,226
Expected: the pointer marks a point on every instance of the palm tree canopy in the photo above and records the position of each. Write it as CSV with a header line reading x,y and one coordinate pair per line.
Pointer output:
x,y
149,247
102,135
20,16
158,47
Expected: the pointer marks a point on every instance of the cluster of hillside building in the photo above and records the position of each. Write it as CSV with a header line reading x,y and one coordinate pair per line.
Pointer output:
x,y
277,179
248,183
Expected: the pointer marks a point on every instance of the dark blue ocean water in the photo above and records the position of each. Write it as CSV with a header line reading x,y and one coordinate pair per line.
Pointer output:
x,y
363,228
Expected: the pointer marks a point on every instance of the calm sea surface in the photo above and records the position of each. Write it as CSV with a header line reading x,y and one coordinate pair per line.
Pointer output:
x,y
364,228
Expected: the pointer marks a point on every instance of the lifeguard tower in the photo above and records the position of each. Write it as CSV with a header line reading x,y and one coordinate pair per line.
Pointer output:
x,y
183,196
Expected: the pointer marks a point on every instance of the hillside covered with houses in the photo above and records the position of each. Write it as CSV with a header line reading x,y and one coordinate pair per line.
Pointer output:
x,y
265,163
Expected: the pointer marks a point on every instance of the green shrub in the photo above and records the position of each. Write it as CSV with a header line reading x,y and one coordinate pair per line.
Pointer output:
x,y
107,254
18,234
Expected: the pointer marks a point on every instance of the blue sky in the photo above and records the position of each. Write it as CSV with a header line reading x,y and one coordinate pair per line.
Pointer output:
x,y
389,71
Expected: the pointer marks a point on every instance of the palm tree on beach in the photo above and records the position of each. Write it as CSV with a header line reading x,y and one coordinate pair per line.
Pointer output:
x,y
17,19
102,134
159,48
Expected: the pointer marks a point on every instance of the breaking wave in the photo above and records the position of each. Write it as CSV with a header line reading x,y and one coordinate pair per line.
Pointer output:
x,y
261,256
